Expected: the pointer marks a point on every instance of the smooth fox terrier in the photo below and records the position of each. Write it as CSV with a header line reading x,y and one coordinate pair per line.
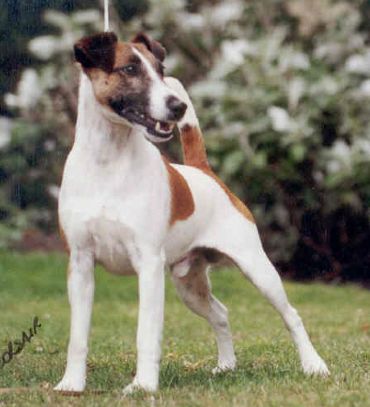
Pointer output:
x,y
123,205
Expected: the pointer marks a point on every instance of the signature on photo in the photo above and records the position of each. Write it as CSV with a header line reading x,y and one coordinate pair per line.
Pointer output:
x,y
16,346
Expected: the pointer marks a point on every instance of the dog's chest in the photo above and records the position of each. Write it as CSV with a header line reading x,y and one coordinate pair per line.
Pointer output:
x,y
109,208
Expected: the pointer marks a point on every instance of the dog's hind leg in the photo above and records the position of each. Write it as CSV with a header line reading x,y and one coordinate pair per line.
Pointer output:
x,y
195,291
247,253
80,294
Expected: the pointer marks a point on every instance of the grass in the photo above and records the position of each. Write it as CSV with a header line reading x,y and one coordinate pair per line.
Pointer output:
x,y
268,373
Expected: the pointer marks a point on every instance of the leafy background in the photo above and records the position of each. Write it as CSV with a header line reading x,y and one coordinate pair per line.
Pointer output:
x,y
282,90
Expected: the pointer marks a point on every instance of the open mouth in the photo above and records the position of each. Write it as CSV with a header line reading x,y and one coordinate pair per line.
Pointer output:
x,y
160,129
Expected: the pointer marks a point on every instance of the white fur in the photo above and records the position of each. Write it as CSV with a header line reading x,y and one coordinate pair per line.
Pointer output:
x,y
114,208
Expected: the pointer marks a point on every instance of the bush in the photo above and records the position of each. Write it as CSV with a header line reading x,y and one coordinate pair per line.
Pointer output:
x,y
282,91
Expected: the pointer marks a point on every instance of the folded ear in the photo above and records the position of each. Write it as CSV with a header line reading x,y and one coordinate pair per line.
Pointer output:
x,y
153,46
97,51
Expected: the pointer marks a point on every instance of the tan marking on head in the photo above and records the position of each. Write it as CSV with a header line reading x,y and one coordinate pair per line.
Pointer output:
x,y
123,53
115,85
195,155
182,203
105,85
105,60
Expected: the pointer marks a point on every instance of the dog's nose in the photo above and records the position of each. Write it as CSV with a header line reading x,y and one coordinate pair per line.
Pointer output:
x,y
176,107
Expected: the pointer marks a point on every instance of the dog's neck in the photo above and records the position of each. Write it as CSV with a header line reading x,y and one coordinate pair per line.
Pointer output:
x,y
97,135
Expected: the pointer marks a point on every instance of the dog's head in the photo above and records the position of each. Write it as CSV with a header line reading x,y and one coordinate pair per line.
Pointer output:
x,y
127,78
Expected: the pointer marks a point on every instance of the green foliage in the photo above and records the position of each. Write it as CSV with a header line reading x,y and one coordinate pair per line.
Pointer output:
x,y
282,91
21,20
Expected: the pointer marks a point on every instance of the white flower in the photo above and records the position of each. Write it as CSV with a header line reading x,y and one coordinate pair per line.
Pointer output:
x,y
296,88
340,157
28,92
50,145
190,21
364,89
358,63
280,119
326,85
5,131
294,60
232,56
333,166
225,12
362,146
90,16
209,88
341,150
45,46
53,191
234,51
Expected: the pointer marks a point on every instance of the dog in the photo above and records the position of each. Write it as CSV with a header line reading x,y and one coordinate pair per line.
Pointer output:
x,y
123,205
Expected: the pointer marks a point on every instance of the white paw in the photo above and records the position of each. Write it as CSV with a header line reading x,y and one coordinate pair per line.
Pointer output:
x,y
70,385
135,387
224,367
315,366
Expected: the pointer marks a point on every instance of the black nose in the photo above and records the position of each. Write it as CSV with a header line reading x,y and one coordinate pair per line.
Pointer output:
x,y
176,107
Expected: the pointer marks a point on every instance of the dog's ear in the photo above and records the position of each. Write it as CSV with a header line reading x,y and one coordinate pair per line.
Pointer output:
x,y
153,46
97,51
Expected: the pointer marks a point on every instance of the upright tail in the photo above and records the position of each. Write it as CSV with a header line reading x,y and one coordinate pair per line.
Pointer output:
x,y
193,148
194,151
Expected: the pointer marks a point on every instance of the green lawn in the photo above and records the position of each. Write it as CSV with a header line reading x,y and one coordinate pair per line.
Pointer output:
x,y
268,373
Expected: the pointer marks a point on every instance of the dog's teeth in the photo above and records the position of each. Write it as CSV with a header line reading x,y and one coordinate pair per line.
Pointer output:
x,y
172,125
158,126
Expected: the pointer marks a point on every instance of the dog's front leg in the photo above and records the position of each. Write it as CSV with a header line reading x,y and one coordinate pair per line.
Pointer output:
x,y
80,294
150,324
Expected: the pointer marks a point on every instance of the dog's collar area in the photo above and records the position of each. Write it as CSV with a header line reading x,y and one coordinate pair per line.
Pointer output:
x,y
160,129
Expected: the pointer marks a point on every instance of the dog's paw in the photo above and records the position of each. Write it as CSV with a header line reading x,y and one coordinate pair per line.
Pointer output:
x,y
315,366
135,387
224,367
70,385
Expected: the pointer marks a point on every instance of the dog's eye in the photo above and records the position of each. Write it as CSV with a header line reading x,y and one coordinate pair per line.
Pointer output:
x,y
131,69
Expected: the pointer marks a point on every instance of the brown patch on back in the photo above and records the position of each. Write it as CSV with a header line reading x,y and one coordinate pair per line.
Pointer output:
x,y
182,203
195,155
238,204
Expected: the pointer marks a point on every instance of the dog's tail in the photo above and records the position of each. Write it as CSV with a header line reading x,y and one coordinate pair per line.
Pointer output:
x,y
193,148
